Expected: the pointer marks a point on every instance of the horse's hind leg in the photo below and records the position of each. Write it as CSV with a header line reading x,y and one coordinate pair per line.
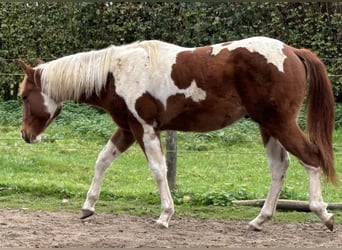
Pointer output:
x,y
317,205
278,161
119,143
292,138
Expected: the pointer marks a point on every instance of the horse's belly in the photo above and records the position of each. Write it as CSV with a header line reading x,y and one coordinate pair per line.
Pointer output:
x,y
202,121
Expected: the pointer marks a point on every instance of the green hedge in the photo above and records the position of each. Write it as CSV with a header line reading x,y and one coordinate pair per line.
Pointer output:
x,y
51,30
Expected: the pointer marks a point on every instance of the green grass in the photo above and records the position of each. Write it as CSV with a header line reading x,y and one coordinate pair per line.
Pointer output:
x,y
212,169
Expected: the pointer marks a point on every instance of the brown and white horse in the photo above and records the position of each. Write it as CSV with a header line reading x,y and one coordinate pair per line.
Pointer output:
x,y
151,86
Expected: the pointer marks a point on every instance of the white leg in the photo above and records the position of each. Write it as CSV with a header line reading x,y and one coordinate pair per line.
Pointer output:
x,y
278,161
158,168
105,158
316,203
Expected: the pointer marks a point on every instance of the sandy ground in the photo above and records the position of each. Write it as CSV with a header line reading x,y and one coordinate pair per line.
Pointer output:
x,y
23,228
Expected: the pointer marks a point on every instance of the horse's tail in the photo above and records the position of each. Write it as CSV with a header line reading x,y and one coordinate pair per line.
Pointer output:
x,y
320,107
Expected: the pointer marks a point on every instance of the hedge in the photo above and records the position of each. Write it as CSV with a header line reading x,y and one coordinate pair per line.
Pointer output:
x,y
48,30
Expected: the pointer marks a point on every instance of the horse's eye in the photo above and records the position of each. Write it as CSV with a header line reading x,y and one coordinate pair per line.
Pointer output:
x,y
24,97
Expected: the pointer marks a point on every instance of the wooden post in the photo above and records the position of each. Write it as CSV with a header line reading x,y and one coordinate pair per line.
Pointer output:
x,y
171,158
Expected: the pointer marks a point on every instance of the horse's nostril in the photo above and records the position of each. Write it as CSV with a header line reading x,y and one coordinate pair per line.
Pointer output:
x,y
22,134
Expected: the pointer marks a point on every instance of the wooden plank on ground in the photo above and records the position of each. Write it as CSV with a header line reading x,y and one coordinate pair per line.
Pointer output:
x,y
296,205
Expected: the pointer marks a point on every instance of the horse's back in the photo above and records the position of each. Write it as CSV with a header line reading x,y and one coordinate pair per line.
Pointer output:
x,y
270,93
260,77
210,87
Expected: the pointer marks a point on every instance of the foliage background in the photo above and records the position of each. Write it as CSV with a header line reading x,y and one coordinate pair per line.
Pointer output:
x,y
50,30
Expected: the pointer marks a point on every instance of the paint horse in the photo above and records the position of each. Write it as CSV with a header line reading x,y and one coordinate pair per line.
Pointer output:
x,y
151,86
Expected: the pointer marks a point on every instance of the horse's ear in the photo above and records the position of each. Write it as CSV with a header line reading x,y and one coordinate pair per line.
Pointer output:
x,y
40,61
27,68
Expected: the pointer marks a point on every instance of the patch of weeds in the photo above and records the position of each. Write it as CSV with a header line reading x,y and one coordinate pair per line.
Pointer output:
x,y
10,112
289,193
223,197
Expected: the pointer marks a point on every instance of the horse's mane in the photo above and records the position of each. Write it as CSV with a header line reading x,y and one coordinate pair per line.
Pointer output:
x,y
72,76
152,47
85,73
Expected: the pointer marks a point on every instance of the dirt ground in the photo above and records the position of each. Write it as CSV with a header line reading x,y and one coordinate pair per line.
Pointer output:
x,y
23,228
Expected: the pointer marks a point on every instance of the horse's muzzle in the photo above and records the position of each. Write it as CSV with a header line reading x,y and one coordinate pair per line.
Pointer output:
x,y
29,138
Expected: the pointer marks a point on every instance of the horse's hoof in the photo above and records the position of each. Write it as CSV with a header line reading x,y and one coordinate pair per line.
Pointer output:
x,y
330,223
162,224
86,213
254,228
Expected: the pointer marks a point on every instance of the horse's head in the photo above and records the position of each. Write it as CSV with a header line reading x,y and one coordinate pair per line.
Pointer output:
x,y
38,108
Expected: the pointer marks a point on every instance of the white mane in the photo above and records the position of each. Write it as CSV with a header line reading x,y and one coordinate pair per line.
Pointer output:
x,y
85,73
69,77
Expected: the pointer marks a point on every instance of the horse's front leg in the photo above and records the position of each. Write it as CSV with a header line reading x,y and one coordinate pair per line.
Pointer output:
x,y
119,143
157,163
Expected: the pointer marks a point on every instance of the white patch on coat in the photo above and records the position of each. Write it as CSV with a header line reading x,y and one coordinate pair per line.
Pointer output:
x,y
270,48
195,93
147,69
50,105
37,139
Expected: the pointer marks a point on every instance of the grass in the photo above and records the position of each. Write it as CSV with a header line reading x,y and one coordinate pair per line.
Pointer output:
x,y
212,169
